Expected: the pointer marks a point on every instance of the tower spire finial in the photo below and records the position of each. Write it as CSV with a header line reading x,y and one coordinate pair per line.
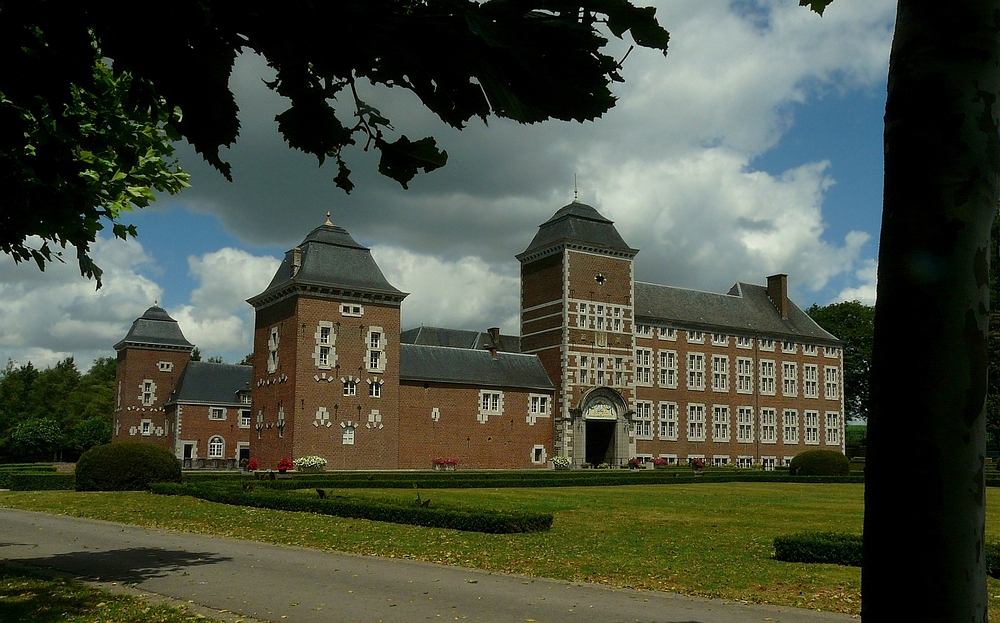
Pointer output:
x,y
576,190
328,219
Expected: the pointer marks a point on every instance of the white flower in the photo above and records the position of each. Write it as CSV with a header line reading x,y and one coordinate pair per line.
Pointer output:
x,y
309,461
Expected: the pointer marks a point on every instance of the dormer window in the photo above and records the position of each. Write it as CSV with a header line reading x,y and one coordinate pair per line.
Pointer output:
x,y
354,311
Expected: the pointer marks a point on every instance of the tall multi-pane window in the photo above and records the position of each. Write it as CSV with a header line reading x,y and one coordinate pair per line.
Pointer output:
x,y
810,380
643,419
767,377
744,424
832,428
347,437
350,387
744,375
810,426
668,421
668,369
375,389
789,379
696,371
324,352
376,349
644,366
768,425
272,351
832,384
790,426
720,373
216,447
720,423
696,422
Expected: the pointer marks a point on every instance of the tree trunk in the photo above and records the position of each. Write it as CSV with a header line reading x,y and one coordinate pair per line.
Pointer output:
x,y
925,507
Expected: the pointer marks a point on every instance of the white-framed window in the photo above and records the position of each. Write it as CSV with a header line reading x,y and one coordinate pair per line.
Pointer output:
x,y
720,460
744,375
643,419
538,406
490,403
350,387
644,366
790,426
720,373
376,349
666,333
743,341
767,377
244,418
668,369
789,347
668,421
165,366
538,456
670,458
810,380
643,330
281,419
696,337
720,339
325,350
245,397
374,388
273,341
744,462
811,427
148,395
347,435
810,349
216,447
789,379
696,371
720,423
696,422
766,343
744,425
216,413
353,311
831,386
146,427
768,425
832,428
768,463
831,351
786,460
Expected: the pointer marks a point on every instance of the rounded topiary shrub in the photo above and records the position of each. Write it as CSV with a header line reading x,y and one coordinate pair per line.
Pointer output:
x,y
819,463
125,466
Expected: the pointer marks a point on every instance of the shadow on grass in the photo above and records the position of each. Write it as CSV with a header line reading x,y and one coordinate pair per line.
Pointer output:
x,y
128,566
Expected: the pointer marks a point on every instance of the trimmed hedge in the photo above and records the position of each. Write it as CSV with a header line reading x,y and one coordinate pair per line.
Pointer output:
x,y
819,463
42,482
469,520
834,548
126,466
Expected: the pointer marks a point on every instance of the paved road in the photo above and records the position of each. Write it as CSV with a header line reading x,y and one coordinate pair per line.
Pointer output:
x,y
293,585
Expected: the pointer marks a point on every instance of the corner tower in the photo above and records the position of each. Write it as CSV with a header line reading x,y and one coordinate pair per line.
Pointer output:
x,y
326,357
576,314
151,358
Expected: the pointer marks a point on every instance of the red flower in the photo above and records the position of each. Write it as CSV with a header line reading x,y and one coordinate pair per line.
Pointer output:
x,y
252,465
285,464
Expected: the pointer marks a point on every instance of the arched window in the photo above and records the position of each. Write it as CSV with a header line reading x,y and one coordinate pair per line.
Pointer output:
x,y
216,447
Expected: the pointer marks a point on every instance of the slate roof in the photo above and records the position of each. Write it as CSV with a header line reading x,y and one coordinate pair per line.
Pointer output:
x,y
204,382
330,260
458,338
471,367
578,224
745,309
155,329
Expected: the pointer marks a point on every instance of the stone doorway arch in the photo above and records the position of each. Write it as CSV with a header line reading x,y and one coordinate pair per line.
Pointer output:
x,y
600,428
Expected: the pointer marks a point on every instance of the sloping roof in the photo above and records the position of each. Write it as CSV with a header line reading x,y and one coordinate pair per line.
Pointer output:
x,y
155,329
458,338
578,224
471,367
330,259
746,309
211,383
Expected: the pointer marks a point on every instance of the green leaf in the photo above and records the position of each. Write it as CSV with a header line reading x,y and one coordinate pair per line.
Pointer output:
x,y
816,5
401,159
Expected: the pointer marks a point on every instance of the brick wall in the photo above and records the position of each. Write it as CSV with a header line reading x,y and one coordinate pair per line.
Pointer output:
x,y
135,367
195,427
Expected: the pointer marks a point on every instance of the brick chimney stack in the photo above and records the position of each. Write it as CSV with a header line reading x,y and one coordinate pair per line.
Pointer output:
x,y
777,290
494,346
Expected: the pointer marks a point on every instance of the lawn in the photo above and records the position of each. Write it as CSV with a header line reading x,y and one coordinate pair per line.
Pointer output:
x,y
712,540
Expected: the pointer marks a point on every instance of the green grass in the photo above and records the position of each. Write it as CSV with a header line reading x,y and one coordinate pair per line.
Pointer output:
x,y
26,596
712,540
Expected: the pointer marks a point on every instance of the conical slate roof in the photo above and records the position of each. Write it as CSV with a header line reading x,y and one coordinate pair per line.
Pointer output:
x,y
329,261
581,225
155,329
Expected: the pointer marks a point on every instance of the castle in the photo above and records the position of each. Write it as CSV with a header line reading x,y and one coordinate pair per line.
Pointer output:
x,y
605,369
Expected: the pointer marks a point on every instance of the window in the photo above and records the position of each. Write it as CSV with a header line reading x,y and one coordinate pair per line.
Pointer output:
x,y
668,368
767,377
374,389
324,334
789,347
744,462
790,426
538,455
720,339
811,426
347,438
643,419
744,375
355,311
696,337
148,396
744,425
768,426
810,380
245,398
490,403
809,349
216,447
744,342
244,418
325,352
789,379
666,333
696,371
643,330
720,423
766,344
165,366
281,419
324,357
272,351
767,463
832,383
668,421
147,427
216,413
696,422
538,406
832,428
350,387
720,373
376,349
643,366
829,351
720,461
670,458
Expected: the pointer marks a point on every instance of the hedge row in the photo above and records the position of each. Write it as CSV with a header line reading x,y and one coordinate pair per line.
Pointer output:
x,y
38,482
28,467
834,548
469,520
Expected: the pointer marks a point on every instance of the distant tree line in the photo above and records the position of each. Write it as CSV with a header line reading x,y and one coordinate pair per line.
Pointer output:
x,y
56,413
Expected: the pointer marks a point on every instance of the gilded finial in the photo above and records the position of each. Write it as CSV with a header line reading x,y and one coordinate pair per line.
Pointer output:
x,y
328,220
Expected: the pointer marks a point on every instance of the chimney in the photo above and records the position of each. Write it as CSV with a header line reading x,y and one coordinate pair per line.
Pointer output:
x,y
494,344
777,290
296,260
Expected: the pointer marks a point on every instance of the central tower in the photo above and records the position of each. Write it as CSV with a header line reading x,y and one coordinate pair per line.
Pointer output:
x,y
577,298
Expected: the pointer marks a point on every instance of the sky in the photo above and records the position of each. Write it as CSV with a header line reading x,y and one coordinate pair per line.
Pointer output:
x,y
754,147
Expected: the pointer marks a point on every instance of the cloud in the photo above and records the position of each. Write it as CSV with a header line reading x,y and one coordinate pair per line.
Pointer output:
x,y
867,275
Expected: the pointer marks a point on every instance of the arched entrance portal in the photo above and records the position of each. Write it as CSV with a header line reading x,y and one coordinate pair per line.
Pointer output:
x,y
601,429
